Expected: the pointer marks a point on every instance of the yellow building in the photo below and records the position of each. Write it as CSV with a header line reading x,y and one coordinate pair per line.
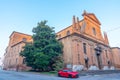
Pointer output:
x,y
12,58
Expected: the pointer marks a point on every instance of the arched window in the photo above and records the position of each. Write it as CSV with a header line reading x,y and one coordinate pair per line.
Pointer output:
x,y
68,33
24,39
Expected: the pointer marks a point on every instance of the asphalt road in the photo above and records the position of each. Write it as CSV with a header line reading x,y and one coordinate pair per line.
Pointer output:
x,y
12,75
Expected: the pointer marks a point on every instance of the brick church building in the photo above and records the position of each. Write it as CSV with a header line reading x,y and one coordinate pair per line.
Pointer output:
x,y
85,48
84,45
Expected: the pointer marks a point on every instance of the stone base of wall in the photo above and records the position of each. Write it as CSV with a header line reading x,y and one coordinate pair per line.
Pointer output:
x,y
112,68
108,68
105,68
10,69
78,67
18,68
93,67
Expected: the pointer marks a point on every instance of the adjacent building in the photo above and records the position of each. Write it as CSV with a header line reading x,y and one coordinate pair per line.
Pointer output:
x,y
1,63
12,58
85,48
116,56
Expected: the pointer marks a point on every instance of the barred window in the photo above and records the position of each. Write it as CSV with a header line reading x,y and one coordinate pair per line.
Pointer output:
x,y
84,48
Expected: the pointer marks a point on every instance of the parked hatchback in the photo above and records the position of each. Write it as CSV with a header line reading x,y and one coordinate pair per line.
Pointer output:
x,y
68,73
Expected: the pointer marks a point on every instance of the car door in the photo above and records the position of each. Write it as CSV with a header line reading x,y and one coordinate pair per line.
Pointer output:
x,y
65,73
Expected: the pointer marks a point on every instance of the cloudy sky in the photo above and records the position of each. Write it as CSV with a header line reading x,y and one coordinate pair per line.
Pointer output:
x,y
23,15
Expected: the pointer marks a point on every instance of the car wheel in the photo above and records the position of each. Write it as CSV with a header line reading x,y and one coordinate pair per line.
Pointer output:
x,y
77,76
70,76
59,75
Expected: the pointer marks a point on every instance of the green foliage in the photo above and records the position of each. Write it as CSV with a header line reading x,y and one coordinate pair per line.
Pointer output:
x,y
42,53
58,63
28,53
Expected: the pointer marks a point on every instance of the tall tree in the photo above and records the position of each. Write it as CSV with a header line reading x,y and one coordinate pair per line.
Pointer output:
x,y
42,53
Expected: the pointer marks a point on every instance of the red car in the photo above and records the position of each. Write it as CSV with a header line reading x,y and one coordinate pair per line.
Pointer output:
x,y
68,74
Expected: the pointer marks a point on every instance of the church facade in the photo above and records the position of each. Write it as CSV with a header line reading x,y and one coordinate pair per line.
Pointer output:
x,y
84,45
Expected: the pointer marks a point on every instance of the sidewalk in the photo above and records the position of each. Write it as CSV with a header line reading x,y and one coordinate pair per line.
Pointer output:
x,y
98,72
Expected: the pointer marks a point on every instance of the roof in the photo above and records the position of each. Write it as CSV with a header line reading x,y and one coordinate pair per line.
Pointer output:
x,y
91,16
19,33
68,27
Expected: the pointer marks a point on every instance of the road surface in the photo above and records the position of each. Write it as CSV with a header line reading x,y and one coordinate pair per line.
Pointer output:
x,y
13,75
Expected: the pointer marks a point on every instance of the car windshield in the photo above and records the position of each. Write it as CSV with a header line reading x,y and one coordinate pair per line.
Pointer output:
x,y
67,70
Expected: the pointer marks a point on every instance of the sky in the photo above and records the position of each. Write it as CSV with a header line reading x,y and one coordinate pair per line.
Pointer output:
x,y
23,15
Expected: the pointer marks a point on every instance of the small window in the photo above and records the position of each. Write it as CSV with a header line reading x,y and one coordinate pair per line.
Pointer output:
x,y
16,60
68,33
106,53
84,48
94,31
59,36
24,39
